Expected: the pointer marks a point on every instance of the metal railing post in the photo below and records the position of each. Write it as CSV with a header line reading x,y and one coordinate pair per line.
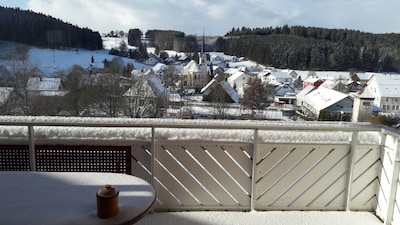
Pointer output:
x,y
352,162
153,157
393,184
253,173
32,151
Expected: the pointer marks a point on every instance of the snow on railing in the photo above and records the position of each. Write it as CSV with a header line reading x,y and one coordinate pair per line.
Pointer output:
x,y
240,165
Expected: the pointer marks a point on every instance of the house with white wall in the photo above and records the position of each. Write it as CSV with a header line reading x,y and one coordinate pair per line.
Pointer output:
x,y
237,81
195,75
327,104
276,77
386,92
45,86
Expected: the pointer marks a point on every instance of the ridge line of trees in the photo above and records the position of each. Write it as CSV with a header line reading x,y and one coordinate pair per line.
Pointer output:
x,y
37,29
312,48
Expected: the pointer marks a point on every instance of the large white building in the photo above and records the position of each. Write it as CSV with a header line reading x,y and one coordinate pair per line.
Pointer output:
x,y
386,92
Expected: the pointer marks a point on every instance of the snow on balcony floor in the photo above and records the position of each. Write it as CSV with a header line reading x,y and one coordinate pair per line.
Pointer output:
x,y
261,218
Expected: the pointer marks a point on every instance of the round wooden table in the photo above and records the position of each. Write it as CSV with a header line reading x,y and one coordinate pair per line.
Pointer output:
x,y
70,198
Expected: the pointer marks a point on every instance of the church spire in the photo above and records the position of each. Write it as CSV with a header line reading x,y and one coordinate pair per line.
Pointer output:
x,y
203,58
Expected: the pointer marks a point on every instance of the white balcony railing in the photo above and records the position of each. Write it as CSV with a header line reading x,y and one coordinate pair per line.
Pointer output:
x,y
240,165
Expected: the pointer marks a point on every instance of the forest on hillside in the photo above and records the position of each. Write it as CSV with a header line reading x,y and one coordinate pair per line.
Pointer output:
x,y
312,48
294,47
36,29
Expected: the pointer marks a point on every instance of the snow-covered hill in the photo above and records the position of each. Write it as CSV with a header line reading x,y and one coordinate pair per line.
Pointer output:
x,y
51,61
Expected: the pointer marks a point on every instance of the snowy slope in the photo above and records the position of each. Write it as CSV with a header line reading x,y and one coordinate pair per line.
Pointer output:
x,y
51,61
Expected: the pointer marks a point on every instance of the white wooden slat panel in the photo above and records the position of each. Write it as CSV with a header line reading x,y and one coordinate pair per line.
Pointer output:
x,y
306,198
220,176
365,200
210,186
274,166
285,173
365,183
168,178
308,180
297,180
334,197
140,162
396,211
386,173
268,157
140,154
241,179
240,153
165,199
311,183
174,188
320,193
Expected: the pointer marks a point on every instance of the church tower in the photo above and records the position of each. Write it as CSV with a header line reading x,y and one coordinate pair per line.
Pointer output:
x,y
205,71
203,56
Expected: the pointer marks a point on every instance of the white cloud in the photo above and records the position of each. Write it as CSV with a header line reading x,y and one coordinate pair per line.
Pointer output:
x,y
219,16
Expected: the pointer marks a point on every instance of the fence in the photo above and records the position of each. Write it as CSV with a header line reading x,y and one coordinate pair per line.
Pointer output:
x,y
228,165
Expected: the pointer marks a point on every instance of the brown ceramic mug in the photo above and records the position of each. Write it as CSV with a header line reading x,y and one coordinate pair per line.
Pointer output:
x,y
107,201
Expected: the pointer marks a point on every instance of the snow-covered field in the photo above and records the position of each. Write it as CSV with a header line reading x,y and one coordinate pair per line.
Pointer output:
x,y
52,61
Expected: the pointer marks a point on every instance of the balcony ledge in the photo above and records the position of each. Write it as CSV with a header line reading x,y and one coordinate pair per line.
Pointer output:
x,y
265,217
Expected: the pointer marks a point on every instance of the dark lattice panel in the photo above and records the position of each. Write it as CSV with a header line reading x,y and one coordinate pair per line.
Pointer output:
x,y
114,159
14,158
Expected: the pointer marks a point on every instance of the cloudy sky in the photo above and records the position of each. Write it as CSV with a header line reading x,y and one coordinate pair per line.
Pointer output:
x,y
216,17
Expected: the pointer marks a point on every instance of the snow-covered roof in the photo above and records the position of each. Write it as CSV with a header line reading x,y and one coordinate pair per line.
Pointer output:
x,y
282,89
305,91
230,91
175,97
238,75
333,75
156,84
331,84
43,84
192,67
281,75
364,76
159,67
312,79
365,93
323,97
53,93
225,85
231,71
387,85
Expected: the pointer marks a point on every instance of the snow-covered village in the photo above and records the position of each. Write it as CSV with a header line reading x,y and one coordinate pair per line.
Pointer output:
x,y
215,86
285,125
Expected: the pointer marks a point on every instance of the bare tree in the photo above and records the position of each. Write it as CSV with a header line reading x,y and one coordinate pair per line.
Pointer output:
x,y
140,99
171,76
220,102
110,94
256,96
21,70
82,91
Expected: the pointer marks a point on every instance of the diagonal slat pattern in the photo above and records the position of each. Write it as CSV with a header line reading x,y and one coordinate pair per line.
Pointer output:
x,y
141,160
301,176
365,182
209,176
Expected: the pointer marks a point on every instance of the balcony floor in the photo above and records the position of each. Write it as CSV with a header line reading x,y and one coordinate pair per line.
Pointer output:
x,y
259,218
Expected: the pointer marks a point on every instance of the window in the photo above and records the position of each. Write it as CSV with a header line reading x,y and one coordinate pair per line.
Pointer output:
x,y
366,103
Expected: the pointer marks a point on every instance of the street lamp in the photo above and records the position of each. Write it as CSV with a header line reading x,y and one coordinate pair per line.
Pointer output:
x,y
341,116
